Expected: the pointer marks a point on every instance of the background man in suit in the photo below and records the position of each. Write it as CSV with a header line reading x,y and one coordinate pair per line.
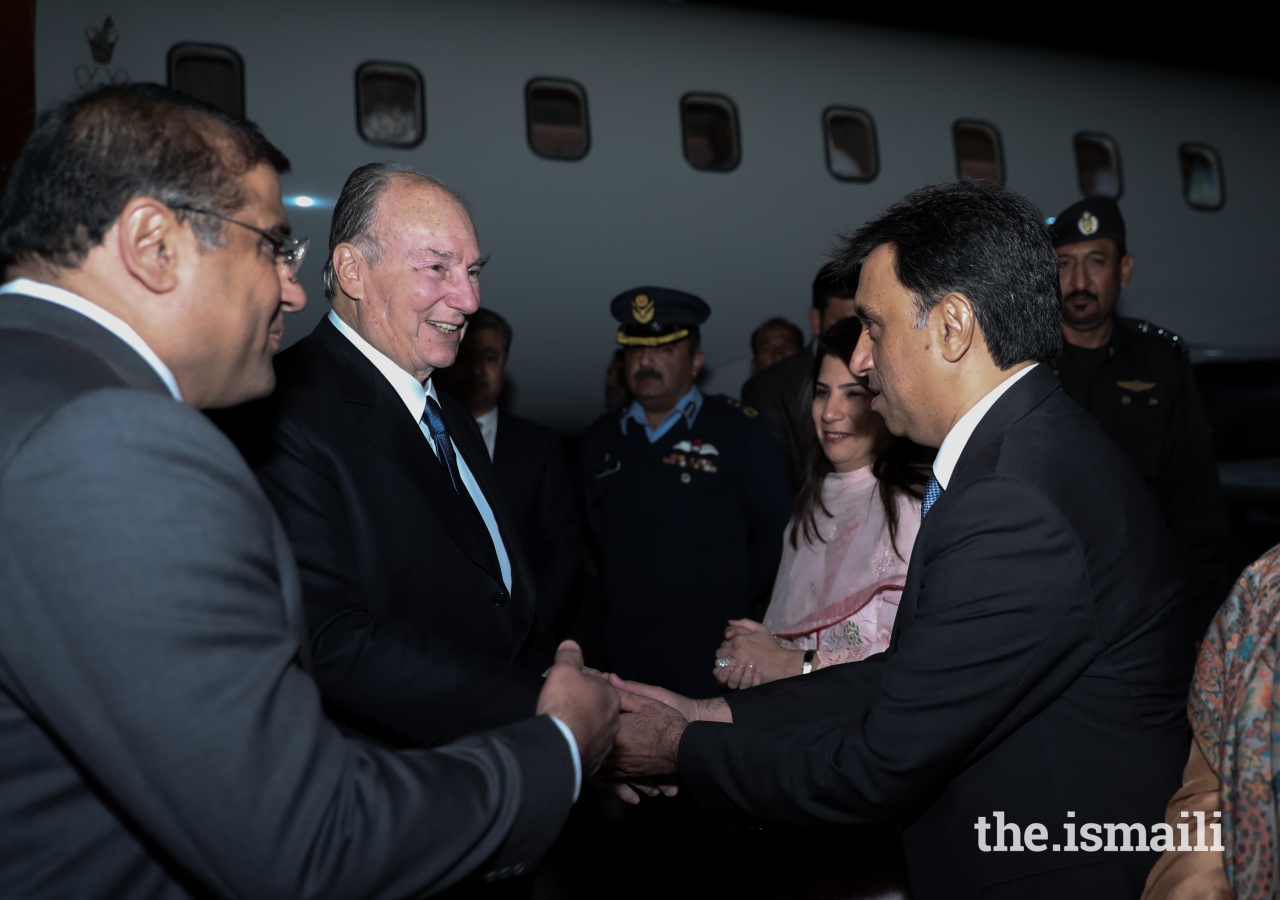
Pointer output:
x,y
1040,659
420,602
774,341
160,735
777,392
527,460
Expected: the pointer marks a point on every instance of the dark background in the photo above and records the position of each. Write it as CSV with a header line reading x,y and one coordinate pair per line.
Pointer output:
x,y
1199,37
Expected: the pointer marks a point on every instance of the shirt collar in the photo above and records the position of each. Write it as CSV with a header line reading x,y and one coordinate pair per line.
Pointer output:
x,y
90,310
944,465
411,391
687,406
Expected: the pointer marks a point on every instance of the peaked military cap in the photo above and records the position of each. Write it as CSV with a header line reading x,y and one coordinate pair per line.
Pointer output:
x,y
652,315
1088,220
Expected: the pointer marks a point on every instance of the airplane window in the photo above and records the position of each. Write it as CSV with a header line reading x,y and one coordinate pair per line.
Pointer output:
x,y
1201,176
1098,165
710,125
390,106
851,144
978,151
557,115
210,73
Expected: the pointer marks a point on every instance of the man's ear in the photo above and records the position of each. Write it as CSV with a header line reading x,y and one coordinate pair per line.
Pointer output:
x,y
349,266
1126,269
698,360
954,326
151,243
815,320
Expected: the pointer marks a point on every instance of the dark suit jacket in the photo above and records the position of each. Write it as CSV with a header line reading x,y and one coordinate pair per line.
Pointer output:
x,y
160,736
412,629
778,393
535,486
1039,666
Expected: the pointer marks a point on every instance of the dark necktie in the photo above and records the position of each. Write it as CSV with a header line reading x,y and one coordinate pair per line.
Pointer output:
x,y
444,446
932,491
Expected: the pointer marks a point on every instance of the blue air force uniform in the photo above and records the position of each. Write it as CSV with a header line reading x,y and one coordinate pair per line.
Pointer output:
x,y
689,517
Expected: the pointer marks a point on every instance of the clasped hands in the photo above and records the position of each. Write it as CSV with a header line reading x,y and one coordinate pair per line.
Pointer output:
x,y
637,751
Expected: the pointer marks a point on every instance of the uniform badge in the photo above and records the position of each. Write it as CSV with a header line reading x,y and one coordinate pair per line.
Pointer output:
x,y
1088,224
695,454
642,309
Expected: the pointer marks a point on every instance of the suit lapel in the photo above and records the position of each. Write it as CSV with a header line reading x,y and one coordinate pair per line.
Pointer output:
x,y
1017,402
470,445
379,414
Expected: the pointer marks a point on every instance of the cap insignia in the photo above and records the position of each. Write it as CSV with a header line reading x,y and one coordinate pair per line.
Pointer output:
x,y
1088,224
642,309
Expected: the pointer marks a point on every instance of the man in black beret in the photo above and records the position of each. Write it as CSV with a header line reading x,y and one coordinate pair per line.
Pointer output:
x,y
688,497
1135,378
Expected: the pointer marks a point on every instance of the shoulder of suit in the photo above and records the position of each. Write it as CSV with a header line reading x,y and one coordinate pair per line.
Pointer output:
x,y
1154,333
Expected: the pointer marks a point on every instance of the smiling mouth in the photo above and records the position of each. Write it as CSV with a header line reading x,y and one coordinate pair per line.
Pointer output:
x,y
445,327
833,437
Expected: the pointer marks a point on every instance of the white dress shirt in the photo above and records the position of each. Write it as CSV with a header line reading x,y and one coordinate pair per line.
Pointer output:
x,y
944,464
415,396
117,326
489,429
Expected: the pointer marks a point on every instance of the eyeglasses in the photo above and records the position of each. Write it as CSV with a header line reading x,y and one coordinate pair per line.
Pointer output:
x,y
289,251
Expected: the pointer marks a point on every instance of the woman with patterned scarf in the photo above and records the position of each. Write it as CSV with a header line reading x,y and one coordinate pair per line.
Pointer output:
x,y
1235,717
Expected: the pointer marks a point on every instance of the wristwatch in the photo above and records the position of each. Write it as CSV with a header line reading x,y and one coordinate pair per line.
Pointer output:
x,y
807,667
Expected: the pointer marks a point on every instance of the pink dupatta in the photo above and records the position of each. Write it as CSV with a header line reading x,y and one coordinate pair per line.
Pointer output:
x,y
822,584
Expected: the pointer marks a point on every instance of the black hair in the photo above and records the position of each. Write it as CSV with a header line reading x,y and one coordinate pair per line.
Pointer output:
x,y
833,281
896,463
487,318
776,320
88,157
981,240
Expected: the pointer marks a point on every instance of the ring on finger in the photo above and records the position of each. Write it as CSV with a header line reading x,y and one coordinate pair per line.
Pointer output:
x,y
724,662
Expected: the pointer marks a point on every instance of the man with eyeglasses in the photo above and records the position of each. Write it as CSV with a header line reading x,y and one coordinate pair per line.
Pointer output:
x,y
161,734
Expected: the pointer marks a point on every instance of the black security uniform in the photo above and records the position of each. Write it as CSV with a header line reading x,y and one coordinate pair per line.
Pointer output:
x,y
689,526
1141,389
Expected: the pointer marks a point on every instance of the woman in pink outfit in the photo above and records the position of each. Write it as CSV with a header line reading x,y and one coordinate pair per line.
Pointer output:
x,y
845,553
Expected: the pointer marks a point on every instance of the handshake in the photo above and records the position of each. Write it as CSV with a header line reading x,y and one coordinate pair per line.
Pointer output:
x,y
628,733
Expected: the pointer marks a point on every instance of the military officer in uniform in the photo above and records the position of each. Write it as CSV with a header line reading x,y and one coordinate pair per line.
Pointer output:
x,y
688,497
1136,380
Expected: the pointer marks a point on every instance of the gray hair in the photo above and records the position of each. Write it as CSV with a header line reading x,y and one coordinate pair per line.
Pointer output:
x,y
355,214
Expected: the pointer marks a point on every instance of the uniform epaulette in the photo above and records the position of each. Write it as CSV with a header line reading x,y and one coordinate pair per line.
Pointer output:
x,y
1155,331
749,411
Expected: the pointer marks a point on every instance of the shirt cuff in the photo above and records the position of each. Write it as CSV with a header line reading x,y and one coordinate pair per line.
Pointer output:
x,y
573,749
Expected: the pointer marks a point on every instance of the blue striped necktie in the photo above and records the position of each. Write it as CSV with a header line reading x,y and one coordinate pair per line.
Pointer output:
x,y
444,446
932,491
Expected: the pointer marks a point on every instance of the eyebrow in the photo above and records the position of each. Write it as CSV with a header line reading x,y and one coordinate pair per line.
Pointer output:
x,y
447,256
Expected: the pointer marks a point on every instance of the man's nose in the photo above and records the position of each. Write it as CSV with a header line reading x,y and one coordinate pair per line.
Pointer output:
x,y
465,298
1073,279
292,297
860,363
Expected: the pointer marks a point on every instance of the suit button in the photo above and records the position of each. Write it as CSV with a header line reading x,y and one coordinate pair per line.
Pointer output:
x,y
501,598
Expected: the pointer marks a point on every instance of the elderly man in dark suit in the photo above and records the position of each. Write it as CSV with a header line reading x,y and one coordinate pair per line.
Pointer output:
x,y
1034,689
527,460
778,391
160,733
421,604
